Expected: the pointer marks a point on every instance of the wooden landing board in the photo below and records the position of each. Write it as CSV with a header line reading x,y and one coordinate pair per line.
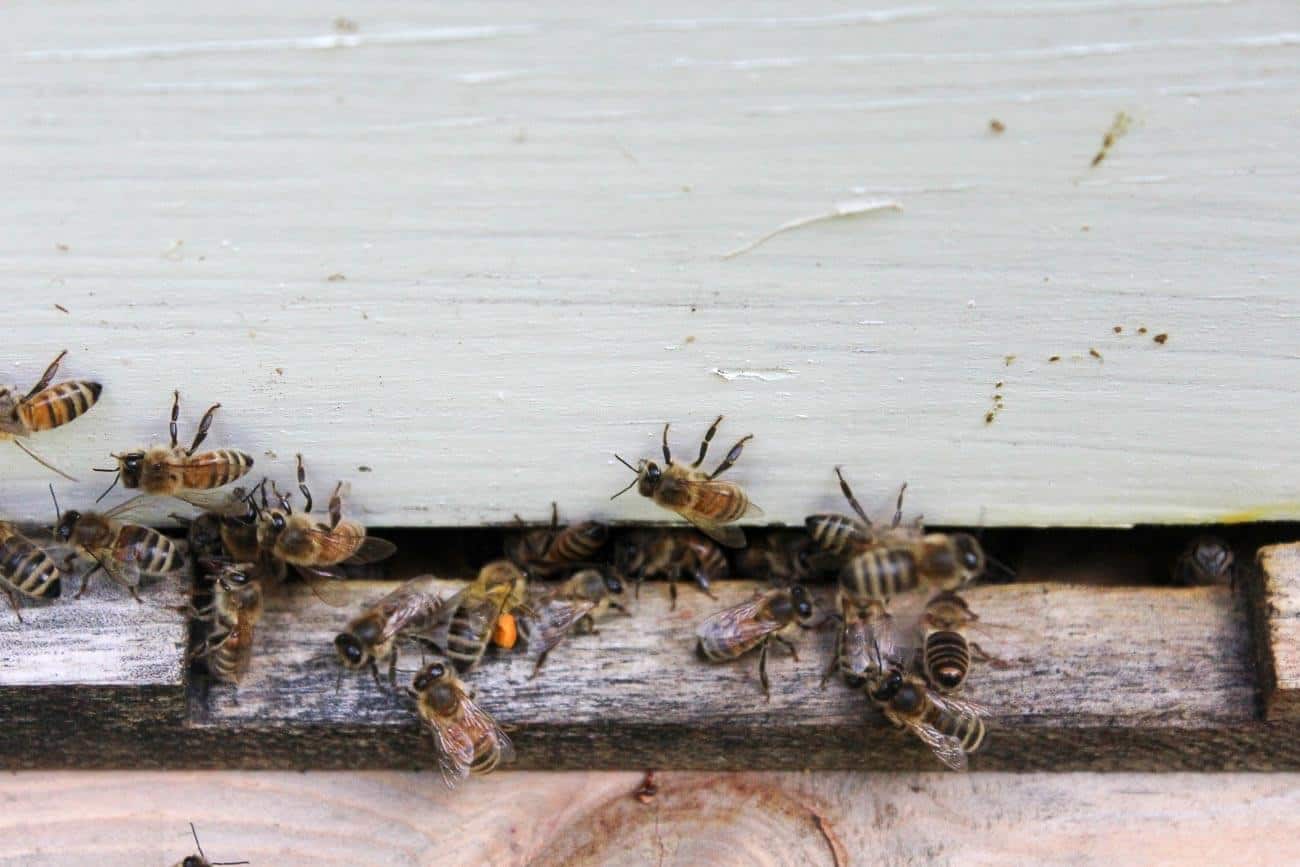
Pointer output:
x,y
1115,678
479,248
1277,630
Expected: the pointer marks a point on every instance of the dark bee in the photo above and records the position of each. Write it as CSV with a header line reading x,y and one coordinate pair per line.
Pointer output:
x,y
371,637
201,860
26,569
1205,560
951,728
572,607
732,632
469,740
547,553
641,555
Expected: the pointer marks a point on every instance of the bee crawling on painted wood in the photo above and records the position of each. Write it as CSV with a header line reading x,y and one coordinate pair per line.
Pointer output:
x,y
184,473
753,624
701,498
45,407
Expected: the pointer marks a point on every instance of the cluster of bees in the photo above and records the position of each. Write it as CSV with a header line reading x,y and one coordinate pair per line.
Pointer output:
x,y
249,539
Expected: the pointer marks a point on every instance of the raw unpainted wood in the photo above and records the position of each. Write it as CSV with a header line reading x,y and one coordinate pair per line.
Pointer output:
x,y
528,209
1106,678
1277,630
127,819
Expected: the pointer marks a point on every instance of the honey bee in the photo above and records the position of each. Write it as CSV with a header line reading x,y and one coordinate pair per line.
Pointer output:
x,y
233,615
469,740
371,637
640,555
201,860
44,407
25,569
951,728
546,553
1205,560
125,552
844,535
313,548
945,650
482,612
699,497
732,632
780,557
172,471
572,607
203,536
865,626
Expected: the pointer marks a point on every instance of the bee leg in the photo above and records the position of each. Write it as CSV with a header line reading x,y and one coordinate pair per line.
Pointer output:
x,y
835,660
984,656
898,509
13,602
85,578
202,433
853,501
374,673
794,654
732,456
302,486
537,667
176,412
762,671
336,506
668,455
617,607
672,593
130,588
392,672
704,444
45,378
702,581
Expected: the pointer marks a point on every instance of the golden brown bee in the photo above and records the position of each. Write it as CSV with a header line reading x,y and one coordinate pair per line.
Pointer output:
x,y
172,471
951,728
44,407
940,561
469,740
699,497
472,618
641,555
371,637
732,632
1205,560
546,553
127,553
201,860
844,535
25,569
866,642
311,547
574,606
233,616
945,649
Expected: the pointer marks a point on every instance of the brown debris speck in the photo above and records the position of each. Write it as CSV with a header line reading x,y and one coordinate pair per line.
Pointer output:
x,y
363,469
1007,360
645,793
1095,354
998,384
1161,338
1142,330
1118,329
997,127
690,338
335,278
989,416
1117,129
280,371
1054,358
346,25
62,248
60,308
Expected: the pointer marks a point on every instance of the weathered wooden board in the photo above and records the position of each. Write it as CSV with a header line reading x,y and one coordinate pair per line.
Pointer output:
x,y
409,820
1106,678
479,248
1277,630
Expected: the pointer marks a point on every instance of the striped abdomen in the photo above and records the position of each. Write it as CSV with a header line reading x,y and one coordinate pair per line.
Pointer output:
x,y
228,662
58,404
837,534
720,502
968,729
946,659
716,648
855,652
28,569
879,573
467,636
213,469
487,755
150,551
579,542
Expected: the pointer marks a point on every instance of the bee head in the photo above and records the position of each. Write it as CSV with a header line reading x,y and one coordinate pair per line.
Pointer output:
x,y
908,697
429,676
803,607
67,525
131,466
350,650
888,685
1212,556
648,477
970,556
613,584
594,531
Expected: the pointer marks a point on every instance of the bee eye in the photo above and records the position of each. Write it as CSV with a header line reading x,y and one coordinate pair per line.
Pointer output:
x,y
613,585
435,671
970,560
277,521
805,609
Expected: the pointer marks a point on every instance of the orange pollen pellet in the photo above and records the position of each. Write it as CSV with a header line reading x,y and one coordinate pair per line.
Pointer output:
x,y
505,633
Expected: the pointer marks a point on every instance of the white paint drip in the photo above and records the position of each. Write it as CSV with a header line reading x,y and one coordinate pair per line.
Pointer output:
x,y
288,43
765,374
840,211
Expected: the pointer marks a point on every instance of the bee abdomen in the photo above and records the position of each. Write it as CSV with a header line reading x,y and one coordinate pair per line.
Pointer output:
x,y
836,534
579,542
712,649
465,644
486,760
154,553
29,569
723,504
967,729
879,573
947,660
215,468
226,663
59,404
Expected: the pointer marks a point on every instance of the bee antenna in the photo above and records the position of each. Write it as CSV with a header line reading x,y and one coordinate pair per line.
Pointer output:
x,y
103,469
58,516
199,845
116,479
625,490
1002,567
625,463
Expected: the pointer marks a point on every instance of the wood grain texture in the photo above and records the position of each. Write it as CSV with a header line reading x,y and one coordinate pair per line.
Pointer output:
x,y
1277,629
1112,678
405,820
478,248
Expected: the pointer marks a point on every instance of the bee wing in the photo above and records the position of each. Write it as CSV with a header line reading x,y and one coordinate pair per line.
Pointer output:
x,y
882,635
945,747
128,507
724,534
455,748
480,724
221,502
372,550
959,707
737,624
409,609
125,571
553,619
325,584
